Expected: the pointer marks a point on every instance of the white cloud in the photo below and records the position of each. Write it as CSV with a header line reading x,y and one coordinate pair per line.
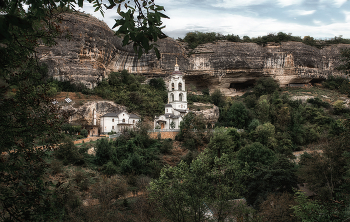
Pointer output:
x,y
185,19
347,16
285,3
237,4
339,3
317,22
301,12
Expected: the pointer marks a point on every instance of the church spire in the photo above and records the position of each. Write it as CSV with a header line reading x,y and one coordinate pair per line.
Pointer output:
x,y
176,66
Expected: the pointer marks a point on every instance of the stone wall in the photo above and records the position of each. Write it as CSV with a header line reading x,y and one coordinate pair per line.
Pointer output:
x,y
92,52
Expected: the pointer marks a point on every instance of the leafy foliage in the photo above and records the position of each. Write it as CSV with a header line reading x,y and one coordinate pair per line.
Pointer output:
x,y
196,38
192,132
127,89
184,192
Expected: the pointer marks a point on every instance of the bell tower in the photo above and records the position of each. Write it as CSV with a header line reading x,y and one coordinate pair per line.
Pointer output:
x,y
177,94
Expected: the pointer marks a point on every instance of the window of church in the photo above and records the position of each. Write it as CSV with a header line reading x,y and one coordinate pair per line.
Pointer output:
x,y
180,97
133,121
180,86
172,97
113,120
112,127
166,110
172,86
123,120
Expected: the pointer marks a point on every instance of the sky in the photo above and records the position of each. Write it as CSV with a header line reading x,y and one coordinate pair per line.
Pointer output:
x,y
321,19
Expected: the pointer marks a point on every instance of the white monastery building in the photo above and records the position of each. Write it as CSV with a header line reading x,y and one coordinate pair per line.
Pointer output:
x,y
177,108
117,122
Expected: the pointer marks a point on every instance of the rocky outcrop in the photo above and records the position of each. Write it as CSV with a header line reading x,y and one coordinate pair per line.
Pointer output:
x,y
210,114
84,114
92,52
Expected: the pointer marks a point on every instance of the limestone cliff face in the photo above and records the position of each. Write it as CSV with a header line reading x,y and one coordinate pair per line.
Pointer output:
x,y
84,114
93,51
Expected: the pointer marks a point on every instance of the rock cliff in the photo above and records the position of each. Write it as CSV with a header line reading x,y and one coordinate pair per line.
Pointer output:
x,y
84,114
92,52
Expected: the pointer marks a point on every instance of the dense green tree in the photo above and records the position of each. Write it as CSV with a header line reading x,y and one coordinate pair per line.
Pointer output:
x,y
265,86
186,192
276,175
224,140
193,132
256,153
127,89
237,116
218,98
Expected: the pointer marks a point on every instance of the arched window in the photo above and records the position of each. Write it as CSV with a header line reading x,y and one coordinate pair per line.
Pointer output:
x,y
172,86
172,97
180,86
180,97
123,120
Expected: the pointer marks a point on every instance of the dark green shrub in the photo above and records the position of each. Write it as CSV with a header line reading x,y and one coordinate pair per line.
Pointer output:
x,y
218,98
103,151
82,180
69,153
166,146
84,133
56,167
256,153
205,92
318,102
265,86
109,169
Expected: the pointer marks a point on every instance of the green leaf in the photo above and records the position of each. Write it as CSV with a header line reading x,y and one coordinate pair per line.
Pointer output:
x,y
157,52
126,40
140,52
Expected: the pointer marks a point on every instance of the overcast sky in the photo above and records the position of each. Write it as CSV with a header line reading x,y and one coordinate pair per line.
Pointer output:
x,y
317,18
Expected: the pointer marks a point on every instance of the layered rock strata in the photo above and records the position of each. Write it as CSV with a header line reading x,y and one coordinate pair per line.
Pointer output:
x,y
93,51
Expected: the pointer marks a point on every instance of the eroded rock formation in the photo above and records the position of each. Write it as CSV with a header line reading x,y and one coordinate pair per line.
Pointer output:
x,y
93,51
84,114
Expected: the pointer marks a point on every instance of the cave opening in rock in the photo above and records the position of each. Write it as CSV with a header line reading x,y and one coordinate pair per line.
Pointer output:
x,y
242,86
317,81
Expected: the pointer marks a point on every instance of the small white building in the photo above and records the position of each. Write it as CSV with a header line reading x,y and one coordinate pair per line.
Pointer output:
x,y
177,108
117,122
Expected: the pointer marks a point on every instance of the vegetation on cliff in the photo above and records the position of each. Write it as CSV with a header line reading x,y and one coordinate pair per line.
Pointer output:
x,y
196,38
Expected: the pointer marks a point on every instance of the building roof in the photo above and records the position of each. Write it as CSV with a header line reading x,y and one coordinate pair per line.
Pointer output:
x,y
181,110
176,73
110,115
133,116
116,115
168,105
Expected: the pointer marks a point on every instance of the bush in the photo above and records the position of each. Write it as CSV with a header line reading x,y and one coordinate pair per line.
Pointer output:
x,y
103,151
318,103
109,169
81,180
265,86
166,147
69,153
217,98
56,167
84,133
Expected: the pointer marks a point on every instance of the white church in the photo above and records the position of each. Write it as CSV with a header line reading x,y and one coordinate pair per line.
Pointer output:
x,y
177,108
